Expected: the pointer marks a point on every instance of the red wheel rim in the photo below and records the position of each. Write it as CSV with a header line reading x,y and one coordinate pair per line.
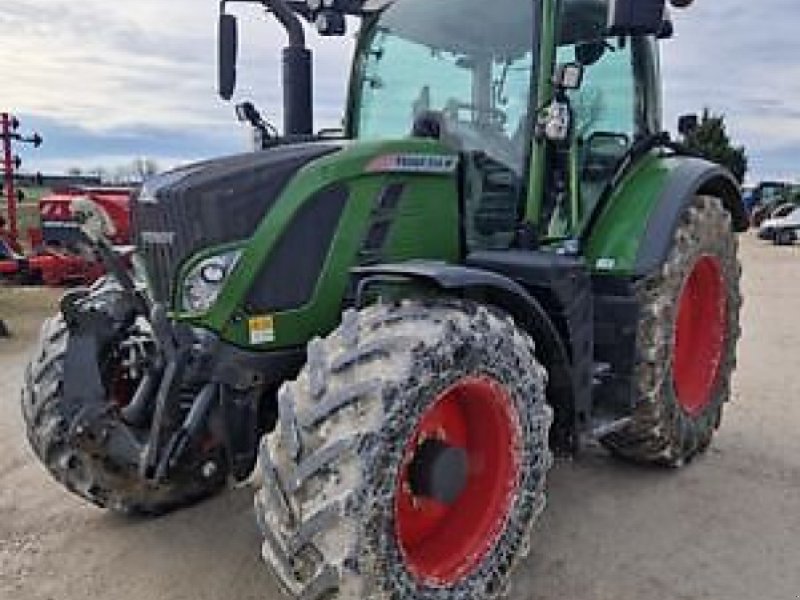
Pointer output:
x,y
441,544
700,335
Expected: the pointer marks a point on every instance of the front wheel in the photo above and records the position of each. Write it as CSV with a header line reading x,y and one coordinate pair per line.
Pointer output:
x,y
410,457
87,465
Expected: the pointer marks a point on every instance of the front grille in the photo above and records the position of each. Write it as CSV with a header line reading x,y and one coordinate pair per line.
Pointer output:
x,y
163,236
180,213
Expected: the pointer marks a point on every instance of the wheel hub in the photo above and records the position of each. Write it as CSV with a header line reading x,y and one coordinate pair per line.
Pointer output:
x,y
458,480
700,335
438,472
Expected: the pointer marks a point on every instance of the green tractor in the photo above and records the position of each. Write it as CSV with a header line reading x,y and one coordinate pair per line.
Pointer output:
x,y
500,257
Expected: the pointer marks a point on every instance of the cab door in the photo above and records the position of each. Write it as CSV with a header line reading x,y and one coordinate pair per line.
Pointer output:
x,y
617,103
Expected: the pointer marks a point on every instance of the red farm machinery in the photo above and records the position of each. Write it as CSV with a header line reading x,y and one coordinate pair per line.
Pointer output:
x,y
53,251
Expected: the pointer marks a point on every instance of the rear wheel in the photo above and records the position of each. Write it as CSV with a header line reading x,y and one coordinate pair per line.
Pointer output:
x,y
410,457
687,337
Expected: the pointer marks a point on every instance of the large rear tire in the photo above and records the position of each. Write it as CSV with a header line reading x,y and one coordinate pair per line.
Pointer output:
x,y
92,475
687,337
389,401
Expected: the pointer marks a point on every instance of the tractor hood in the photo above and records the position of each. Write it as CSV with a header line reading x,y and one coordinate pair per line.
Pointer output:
x,y
211,203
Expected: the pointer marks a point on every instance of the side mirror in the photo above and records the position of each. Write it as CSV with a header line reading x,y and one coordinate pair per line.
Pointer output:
x,y
687,124
228,53
636,17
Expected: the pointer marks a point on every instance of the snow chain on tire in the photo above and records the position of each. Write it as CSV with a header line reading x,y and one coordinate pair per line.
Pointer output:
x,y
661,432
325,505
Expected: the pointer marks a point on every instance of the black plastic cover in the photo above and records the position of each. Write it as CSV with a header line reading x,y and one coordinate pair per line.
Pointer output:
x,y
289,276
616,323
181,212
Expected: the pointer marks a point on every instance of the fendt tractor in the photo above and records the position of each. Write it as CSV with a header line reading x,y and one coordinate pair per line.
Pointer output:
x,y
501,257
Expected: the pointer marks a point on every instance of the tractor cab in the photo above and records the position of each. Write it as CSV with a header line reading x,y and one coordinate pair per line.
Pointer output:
x,y
423,69
467,85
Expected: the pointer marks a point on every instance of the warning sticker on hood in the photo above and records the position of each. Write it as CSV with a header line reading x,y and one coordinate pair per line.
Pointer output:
x,y
262,329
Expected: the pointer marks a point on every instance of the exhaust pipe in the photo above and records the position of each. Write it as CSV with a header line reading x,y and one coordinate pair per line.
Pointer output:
x,y
298,117
297,94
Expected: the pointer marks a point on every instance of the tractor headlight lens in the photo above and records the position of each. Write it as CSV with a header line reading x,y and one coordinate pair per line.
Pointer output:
x,y
206,279
213,273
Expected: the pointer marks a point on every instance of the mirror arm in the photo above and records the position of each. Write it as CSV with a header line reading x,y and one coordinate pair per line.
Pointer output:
x,y
283,12
289,20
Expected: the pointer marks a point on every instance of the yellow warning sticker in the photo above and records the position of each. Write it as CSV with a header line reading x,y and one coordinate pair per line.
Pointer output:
x,y
262,329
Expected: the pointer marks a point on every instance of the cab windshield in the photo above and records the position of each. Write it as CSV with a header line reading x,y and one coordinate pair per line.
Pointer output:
x,y
468,61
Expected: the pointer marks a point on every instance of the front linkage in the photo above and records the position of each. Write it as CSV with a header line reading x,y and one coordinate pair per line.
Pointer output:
x,y
137,413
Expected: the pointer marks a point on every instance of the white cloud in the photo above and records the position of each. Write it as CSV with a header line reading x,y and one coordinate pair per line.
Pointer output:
x,y
101,65
118,66
110,163
740,58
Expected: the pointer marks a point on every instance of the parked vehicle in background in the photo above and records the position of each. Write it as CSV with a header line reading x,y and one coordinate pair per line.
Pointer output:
x,y
783,226
57,253
762,200
765,231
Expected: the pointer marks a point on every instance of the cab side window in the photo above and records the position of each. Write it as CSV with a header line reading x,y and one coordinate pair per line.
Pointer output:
x,y
606,102
606,110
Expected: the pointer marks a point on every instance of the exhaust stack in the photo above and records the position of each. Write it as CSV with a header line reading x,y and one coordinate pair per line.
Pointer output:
x,y
298,118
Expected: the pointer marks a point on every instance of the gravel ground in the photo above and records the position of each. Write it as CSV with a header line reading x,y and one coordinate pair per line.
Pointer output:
x,y
728,527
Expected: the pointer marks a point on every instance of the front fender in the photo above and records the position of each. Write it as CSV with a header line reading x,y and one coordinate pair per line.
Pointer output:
x,y
492,287
564,392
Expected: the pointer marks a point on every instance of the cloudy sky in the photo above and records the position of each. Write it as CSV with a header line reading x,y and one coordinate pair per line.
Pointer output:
x,y
106,82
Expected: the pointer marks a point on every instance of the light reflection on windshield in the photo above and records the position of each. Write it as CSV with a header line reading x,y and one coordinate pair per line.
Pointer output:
x,y
468,61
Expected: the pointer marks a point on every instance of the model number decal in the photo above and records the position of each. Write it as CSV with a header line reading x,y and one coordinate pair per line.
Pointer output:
x,y
413,163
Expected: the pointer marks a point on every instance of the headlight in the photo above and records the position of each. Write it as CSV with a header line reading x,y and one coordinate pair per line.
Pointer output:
x,y
204,282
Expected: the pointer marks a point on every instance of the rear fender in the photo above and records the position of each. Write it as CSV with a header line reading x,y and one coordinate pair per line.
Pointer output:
x,y
692,178
632,235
